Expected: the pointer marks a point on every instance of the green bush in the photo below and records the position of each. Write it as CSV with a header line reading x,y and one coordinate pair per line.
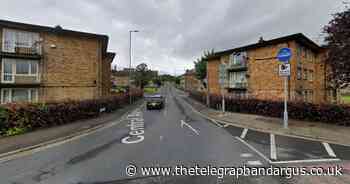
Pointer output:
x,y
20,118
327,113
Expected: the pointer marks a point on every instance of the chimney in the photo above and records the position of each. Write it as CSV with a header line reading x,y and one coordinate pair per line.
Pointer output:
x,y
261,39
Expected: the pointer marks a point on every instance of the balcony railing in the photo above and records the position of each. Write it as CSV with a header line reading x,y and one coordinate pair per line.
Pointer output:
x,y
241,65
237,85
20,79
22,48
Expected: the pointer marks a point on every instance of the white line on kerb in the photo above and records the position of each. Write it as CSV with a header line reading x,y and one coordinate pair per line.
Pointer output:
x,y
189,126
244,133
306,161
329,149
273,154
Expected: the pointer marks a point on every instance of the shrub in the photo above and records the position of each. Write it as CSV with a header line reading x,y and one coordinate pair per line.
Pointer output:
x,y
328,113
19,118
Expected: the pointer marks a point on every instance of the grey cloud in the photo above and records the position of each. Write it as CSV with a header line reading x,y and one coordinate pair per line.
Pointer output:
x,y
174,32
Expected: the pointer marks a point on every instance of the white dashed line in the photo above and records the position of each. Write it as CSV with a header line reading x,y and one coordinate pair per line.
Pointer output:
x,y
329,149
246,155
244,133
273,154
254,163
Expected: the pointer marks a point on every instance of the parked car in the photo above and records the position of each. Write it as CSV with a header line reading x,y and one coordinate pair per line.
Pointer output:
x,y
154,101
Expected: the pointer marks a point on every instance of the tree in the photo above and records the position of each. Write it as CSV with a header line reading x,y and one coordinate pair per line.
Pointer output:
x,y
142,75
338,44
200,65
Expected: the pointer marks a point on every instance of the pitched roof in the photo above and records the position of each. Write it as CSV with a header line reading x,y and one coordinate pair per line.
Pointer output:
x,y
56,30
299,37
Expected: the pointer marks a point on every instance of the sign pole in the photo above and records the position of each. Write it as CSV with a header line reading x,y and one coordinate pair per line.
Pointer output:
x,y
285,114
284,56
223,101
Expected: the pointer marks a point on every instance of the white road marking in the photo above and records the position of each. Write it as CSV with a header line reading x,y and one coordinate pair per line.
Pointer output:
x,y
189,126
246,155
244,133
287,161
329,149
254,163
255,150
273,154
202,115
306,161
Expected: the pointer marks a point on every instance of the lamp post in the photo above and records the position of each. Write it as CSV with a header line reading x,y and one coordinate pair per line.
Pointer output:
x,y
129,81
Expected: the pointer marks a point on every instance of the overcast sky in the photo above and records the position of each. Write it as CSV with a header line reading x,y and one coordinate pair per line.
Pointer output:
x,y
175,32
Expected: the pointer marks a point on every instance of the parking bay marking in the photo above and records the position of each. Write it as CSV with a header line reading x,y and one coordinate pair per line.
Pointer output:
x,y
329,149
286,161
273,154
244,133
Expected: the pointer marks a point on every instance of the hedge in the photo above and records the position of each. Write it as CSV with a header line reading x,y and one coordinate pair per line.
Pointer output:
x,y
327,113
19,118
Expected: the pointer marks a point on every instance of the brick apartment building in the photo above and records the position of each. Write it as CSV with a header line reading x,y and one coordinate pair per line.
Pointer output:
x,y
191,83
252,70
45,64
120,78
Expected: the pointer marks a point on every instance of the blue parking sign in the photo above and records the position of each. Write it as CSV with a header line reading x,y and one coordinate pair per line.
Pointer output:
x,y
284,55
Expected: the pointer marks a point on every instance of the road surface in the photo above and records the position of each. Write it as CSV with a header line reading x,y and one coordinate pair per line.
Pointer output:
x,y
174,136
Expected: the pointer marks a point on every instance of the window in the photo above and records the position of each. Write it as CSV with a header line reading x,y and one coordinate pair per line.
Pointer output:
x,y
239,58
237,79
23,67
311,75
16,38
304,94
19,95
305,74
5,96
7,71
299,73
310,96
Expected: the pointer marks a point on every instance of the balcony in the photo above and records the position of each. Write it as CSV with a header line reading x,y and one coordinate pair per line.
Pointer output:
x,y
8,80
241,66
21,50
237,85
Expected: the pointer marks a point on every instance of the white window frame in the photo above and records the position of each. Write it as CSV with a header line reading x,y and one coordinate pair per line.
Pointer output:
x,y
3,72
14,72
32,38
29,94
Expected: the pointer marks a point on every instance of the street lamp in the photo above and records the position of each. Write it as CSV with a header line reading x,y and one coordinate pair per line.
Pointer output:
x,y
129,81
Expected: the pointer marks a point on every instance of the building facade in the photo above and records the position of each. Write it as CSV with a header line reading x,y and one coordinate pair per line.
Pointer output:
x,y
120,78
46,64
252,70
191,83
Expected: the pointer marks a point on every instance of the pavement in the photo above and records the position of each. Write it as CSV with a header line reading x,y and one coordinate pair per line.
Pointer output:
x,y
177,135
308,130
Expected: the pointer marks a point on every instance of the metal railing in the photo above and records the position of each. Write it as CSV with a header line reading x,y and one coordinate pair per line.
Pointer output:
x,y
238,85
22,48
237,65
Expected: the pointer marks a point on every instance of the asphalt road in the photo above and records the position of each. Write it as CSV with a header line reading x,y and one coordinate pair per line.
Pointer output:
x,y
173,136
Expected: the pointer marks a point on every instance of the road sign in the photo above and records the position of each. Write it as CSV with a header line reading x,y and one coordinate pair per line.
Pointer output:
x,y
222,74
284,55
284,70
